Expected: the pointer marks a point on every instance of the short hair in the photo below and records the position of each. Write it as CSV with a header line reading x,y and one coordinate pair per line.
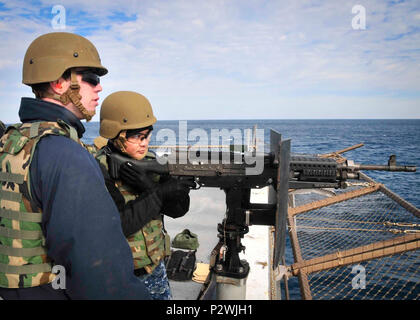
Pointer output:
x,y
40,88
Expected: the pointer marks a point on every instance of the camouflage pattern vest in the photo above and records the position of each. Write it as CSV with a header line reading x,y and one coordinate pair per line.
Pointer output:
x,y
150,244
23,257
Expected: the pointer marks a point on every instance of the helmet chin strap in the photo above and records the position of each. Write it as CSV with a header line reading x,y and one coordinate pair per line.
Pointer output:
x,y
71,96
120,141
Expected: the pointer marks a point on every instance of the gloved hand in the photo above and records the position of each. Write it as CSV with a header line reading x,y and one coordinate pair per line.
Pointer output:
x,y
175,188
136,178
177,206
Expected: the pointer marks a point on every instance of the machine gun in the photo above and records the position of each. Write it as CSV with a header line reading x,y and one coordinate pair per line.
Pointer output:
x,y
237,173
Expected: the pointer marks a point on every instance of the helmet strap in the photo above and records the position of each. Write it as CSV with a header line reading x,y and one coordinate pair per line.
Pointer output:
x,y
70,96
119,142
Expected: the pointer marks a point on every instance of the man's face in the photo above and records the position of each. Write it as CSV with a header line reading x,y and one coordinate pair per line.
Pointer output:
x,y
136,146
89,92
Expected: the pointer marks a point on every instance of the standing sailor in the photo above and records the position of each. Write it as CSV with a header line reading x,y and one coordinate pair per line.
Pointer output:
x,y
127,120
55,208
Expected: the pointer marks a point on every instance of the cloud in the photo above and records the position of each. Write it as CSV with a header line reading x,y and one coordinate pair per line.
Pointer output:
x,y
221,58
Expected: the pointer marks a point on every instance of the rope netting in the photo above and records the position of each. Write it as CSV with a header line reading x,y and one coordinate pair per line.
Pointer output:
x,y
394,277
357,244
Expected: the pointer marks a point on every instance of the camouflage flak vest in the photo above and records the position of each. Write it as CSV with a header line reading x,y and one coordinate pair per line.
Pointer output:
x,y
23,258
150,244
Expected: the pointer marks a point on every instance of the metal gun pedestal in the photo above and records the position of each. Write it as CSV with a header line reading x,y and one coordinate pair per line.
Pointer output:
x,y
231,272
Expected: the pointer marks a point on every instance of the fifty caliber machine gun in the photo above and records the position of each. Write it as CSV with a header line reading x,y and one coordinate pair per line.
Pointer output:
x,y
237,175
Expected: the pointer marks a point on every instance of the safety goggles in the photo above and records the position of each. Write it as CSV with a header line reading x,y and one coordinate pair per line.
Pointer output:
x,y
140,137
90,77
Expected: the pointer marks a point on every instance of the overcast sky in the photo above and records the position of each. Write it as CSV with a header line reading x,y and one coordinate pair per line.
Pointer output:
x,y
235,59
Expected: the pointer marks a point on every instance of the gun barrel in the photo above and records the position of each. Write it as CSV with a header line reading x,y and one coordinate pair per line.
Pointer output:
x,y
359,167
388,168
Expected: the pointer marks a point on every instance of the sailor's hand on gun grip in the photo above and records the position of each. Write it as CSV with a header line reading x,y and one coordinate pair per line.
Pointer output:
x,y
173,187
136,178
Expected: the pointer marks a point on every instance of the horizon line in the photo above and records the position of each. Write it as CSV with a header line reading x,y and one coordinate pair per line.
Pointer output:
x,y
294,119
258,119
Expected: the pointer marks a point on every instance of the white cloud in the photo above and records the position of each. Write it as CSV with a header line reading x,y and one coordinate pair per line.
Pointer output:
x,y
217,56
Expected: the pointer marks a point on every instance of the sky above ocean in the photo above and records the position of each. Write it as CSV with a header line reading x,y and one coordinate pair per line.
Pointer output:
x,y
238,59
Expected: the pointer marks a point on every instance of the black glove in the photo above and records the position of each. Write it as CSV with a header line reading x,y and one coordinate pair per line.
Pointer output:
x,y
136,178
174,194
174,188
178,206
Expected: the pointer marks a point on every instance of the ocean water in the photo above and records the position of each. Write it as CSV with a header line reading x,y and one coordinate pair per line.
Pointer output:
x,y
381,138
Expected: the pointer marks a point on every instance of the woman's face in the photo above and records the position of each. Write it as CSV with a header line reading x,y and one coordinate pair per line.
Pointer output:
x,y
136,146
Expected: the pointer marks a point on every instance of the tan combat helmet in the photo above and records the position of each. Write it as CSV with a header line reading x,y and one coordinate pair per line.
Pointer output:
x,y
124,110
51,54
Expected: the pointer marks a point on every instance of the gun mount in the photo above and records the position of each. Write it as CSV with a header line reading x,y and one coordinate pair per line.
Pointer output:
x,y
237,173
